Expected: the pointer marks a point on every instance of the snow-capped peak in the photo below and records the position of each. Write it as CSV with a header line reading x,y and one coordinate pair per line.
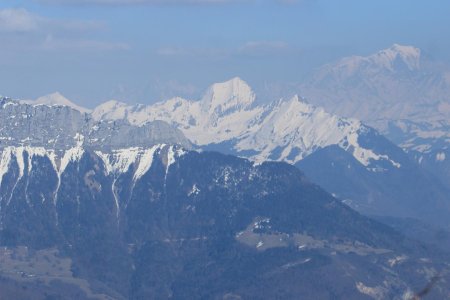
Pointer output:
x,y
56,99
406,50
111,104
119,109
234,94
408,54
381,61
300,102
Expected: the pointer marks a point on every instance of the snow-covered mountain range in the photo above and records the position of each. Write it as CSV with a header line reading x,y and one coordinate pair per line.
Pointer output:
x,y
346,157
349,159
400,91
228,118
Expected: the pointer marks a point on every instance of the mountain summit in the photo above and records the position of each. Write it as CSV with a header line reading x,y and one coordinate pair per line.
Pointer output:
x,y
394,59
396,90
409,55
396,56
231,95
56,99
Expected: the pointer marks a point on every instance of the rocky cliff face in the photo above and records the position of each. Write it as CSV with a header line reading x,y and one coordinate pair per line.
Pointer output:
x,y
60,127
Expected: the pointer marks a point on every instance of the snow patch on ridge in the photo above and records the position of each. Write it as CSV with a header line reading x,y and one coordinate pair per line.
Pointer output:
x,y
5,161
377,292
119,161
364,156
116,162
172,155
72,155
145,162
194,191
19,154
440,156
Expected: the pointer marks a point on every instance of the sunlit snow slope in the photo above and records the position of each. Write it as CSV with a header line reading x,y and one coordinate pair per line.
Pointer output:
x,y
229,118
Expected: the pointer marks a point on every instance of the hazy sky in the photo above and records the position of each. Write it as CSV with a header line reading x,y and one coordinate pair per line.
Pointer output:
x,y
145,50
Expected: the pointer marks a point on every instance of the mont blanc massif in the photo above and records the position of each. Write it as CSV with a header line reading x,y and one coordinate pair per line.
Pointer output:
x,y
342,192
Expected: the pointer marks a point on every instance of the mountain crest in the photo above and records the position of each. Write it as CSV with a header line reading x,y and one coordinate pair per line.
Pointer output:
x,y
234,94
56,99
388,58
111,105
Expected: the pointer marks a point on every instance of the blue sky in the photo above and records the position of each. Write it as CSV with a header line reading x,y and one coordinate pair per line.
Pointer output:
x,y
146,50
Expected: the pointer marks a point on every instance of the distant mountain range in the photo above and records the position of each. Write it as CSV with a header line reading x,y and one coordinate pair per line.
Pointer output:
x,y
400,91
227,118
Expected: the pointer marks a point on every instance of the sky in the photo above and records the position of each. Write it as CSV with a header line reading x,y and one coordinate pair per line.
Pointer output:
x,y
143,51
